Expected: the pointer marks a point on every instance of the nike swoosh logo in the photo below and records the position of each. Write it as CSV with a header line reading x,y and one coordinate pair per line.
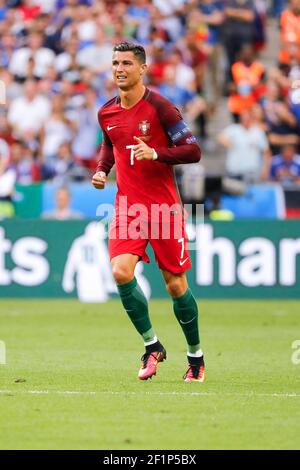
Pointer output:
x,y
181,263
186,322
109,128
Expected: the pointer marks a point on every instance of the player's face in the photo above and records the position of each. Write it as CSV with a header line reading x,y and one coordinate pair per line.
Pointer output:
x,y
127,70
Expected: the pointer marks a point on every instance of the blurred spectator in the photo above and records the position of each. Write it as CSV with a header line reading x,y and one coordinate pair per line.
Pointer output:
x,y
7,182
4,150
167,17
289,64
108,91
7,48
185,75
52,33
190,104
27,114
71,98
281,122
285,167
13,3
139,14
290,23
259,117
294,100
247,149
3,10
63,210
62,168
247,82
23,162
13,89
238,27
158,63
120,30
85,142
97,55
34,56
5,130
64,60
29,10
212,15
86,27
260,20
178,95
195,47
57,129
48,6
278,6
69,5
82,25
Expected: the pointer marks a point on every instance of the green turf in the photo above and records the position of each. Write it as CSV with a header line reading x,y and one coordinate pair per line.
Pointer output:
x,y
60,346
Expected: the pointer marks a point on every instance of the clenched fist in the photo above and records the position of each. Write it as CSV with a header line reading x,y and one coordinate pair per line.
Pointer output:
x,y
99,180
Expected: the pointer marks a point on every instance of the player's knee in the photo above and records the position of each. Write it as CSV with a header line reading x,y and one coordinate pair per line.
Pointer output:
x,y
175,287
122,274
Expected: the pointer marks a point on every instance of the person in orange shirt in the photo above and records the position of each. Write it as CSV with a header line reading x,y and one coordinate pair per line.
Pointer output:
x,y
289,30
247,82
290,23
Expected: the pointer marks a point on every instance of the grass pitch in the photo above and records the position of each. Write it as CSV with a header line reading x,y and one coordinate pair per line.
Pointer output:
x,y
70,381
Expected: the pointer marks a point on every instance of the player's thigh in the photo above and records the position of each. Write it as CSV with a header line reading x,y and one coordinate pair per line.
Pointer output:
x,y
171,251
121,242
125,251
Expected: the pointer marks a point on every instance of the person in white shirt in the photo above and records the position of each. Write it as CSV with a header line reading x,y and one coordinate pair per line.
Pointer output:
x,y
97,56
185,75
88,268
47,6
27,114
247,149
170,19
57,129
42,57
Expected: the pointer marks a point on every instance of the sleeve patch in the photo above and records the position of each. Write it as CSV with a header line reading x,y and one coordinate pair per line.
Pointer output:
x,y
178,131
191,140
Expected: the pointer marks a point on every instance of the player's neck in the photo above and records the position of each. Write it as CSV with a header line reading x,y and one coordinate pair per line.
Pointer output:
x,y
130,97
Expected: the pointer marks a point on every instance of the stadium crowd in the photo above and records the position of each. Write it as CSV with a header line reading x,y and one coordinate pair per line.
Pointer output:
x,y
55,58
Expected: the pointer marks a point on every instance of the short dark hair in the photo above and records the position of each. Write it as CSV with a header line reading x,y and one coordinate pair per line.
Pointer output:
x,y
136,49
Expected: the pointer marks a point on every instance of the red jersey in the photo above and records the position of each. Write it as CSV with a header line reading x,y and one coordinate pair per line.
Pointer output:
x,y
156,121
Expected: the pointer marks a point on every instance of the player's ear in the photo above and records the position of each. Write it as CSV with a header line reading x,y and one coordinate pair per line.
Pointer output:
x,y
143,69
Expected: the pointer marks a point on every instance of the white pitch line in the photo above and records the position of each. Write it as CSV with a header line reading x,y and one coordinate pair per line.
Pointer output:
x,y
142,393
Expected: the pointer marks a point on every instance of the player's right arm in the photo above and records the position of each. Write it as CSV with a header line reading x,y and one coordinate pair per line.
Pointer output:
x,y
99,179
105,163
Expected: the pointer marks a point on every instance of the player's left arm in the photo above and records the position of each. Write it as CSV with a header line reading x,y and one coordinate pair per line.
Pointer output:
x,y
183,144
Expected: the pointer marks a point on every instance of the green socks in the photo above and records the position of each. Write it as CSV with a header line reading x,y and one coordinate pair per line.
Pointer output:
x,y
185,309
136,306
186,312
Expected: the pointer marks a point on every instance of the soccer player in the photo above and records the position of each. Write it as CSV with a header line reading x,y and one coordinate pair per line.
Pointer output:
x,y
144,135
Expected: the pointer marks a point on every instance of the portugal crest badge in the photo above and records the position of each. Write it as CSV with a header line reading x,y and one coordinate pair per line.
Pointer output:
x,y
144,127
